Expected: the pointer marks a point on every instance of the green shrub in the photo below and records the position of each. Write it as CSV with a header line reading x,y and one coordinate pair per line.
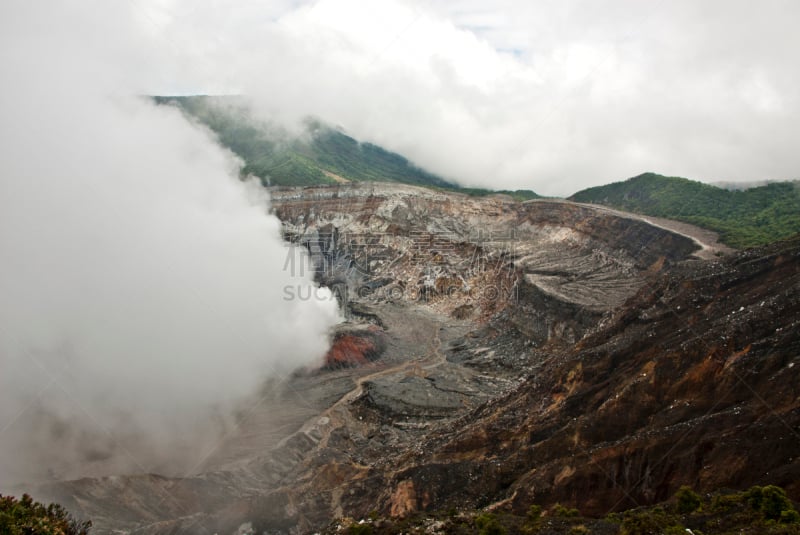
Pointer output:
x,y
534,513
771,501
687,501
723,503
654,521
565,512
28,517
533,518
359,529
488,525
790,517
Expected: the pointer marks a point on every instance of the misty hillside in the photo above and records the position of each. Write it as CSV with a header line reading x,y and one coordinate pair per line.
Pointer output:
x,y
320,155
744,218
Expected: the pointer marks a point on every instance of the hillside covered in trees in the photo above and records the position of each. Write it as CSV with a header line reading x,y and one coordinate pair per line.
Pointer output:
x,y
320,154
744,218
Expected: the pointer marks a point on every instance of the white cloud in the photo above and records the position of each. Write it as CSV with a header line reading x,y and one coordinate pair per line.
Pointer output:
x,y
592,91
142,283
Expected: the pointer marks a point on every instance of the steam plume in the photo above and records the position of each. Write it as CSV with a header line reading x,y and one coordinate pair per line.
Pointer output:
x,y
141,281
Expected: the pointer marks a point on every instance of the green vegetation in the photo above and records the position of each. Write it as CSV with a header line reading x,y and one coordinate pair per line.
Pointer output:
x,y
28,517
687,501
565,512
517,194
534,513
746,218
759,510
487,524
647,521
359,529
772,503
318,155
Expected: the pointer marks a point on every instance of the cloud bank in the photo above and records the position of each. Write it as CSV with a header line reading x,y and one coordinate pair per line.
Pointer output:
x,y
553,96
141,287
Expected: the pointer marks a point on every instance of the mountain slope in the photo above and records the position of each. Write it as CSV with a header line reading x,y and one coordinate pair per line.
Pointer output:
x,y
320,155
746,218
690,379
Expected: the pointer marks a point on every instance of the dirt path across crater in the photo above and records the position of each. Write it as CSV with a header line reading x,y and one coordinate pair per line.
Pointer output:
x,y
708,240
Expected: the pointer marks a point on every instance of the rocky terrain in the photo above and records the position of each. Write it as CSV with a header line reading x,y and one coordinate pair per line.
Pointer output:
x,y
694,381
471,257
499,354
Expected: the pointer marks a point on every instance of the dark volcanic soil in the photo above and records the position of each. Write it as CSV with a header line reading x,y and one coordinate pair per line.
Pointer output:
x,y
693,382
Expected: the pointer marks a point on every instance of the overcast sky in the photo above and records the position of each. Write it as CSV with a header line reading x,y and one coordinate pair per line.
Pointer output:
x,y
549,95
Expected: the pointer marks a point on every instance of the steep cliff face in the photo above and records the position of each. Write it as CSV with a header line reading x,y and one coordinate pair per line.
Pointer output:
x,y
693,382
569,264
498,353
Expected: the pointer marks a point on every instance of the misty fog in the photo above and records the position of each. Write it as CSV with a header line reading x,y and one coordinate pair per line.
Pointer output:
x,y
141,282
548,96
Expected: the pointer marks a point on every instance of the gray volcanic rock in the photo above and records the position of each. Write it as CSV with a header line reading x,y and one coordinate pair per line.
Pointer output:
x,y
439,393
570,263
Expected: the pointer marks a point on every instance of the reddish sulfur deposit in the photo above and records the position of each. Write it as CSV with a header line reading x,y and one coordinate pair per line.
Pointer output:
x,y
356,348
